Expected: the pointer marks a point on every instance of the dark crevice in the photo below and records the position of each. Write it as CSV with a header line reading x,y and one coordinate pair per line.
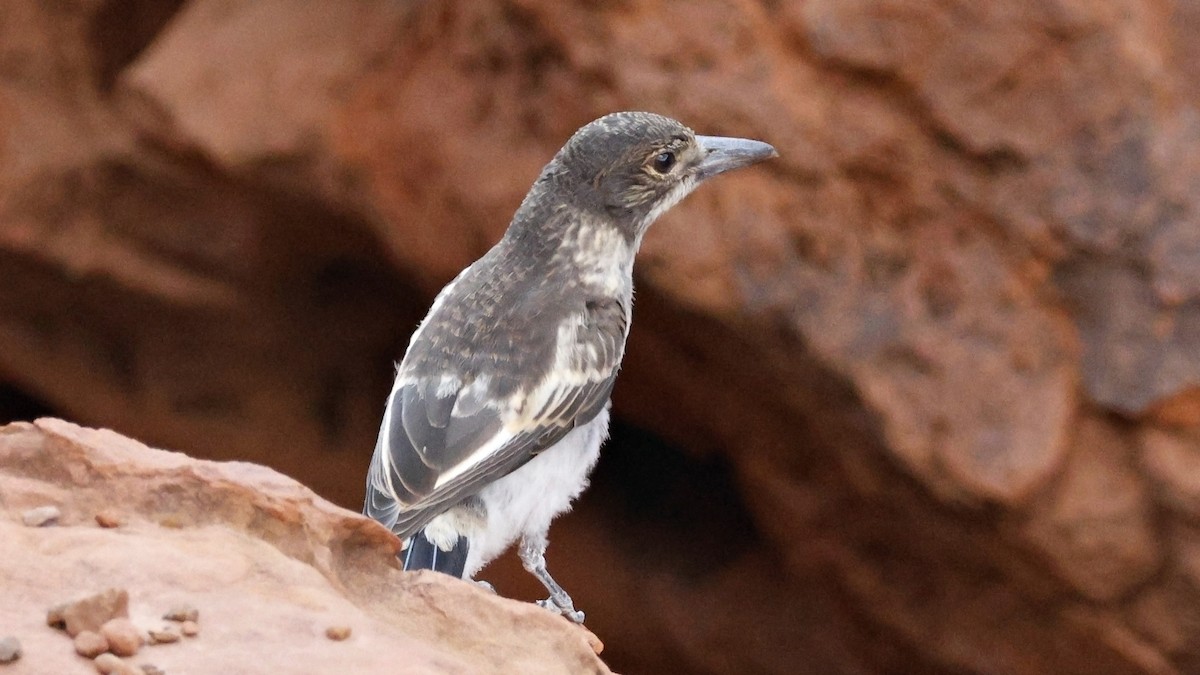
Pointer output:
x,y
122,30
17,405
688,506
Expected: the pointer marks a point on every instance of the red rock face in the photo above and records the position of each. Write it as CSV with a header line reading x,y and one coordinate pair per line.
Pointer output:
x,y
929,377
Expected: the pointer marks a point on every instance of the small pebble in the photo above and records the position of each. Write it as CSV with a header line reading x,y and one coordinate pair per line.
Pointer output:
x,y
54,616
164,635
42,515
107,519
151,669
173,521
190,628
338,633
108,663
10,649
123,637
182,612
90,644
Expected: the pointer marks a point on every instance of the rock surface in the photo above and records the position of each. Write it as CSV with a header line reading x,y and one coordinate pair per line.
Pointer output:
x,y
90,614
271,564
932,378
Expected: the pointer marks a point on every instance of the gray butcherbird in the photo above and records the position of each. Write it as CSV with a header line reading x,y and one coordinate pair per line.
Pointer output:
x,y
501,402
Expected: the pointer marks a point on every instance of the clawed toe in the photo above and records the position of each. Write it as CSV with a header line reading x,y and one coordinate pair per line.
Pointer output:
x,y
569,611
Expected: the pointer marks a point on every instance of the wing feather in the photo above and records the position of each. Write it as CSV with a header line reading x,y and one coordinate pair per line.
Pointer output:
x,y
448,434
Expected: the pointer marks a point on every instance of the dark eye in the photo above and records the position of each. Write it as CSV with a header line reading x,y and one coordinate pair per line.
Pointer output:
x,y
664,161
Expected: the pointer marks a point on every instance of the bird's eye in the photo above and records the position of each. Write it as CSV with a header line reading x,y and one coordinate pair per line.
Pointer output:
x,y
664,161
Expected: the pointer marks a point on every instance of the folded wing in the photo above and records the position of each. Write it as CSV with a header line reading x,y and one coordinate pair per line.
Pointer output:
x,y
447,434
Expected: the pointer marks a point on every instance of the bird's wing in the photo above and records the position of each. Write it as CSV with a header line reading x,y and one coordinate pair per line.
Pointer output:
x,y
444,438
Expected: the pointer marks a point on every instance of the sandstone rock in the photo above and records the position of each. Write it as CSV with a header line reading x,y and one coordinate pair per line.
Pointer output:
x,y
108,664
10,649
90,644
42,515
107,519
271,563
1099,529
182,612
92,612
165,635
1172,459
124,638
112,664
54,616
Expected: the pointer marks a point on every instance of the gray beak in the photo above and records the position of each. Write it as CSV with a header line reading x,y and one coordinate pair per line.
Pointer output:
x,y
721,154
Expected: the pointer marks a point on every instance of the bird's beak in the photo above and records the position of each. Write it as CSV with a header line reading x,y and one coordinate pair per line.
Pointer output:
x,y
720,154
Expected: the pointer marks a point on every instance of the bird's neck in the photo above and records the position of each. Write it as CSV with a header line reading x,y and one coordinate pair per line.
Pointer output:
x,y
597,251
601,253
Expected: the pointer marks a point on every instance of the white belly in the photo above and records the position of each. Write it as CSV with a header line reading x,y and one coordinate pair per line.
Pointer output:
x,y
526,500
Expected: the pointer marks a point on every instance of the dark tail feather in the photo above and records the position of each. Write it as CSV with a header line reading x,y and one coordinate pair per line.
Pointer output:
x,y
423,554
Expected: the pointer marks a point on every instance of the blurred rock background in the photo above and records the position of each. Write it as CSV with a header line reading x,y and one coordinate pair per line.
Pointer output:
x,y
920,396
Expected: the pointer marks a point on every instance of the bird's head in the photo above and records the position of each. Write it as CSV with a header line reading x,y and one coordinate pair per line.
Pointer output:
x,y
630,167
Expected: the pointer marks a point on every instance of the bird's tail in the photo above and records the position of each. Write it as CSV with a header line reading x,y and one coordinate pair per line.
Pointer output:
x,y
423,554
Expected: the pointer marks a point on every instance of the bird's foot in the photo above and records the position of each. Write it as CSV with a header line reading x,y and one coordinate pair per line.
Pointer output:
x,y
533,557
568,610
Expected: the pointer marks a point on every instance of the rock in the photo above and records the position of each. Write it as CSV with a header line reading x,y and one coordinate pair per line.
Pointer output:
x,y
124,639
1172,459
165,635
189,628
595,643
337,633
107,519
90,644
10,649
271,563
108,663
182,612
1099,527
92,612
54,616
41,516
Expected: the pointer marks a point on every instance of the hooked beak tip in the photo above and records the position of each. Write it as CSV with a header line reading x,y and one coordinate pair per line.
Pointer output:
x,y
725,154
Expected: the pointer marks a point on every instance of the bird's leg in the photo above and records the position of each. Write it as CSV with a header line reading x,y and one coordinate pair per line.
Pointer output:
x,y
474,514
533,557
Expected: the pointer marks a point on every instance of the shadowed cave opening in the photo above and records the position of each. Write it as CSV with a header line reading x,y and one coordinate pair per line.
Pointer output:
x,y
17,405
689,506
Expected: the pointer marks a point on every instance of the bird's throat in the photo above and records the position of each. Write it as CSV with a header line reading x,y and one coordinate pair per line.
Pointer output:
x,y
602,254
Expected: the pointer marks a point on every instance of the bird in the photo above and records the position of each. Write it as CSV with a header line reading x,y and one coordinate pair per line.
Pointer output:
x,y
501,401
